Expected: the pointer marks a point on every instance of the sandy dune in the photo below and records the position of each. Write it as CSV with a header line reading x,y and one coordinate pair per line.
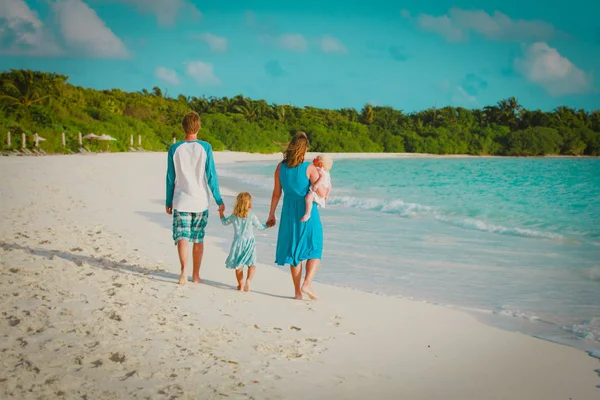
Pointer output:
x,y
91,310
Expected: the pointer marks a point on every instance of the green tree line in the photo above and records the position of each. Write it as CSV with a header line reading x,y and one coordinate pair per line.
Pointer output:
x,y
45,103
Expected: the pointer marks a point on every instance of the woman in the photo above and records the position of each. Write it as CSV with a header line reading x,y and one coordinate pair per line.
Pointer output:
x,y
297,241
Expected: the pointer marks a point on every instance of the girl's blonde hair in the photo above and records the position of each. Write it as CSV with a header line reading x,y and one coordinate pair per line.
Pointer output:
x,y
296,150
243,204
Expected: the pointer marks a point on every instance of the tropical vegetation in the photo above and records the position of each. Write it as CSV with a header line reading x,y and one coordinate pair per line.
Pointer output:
x,y
46,103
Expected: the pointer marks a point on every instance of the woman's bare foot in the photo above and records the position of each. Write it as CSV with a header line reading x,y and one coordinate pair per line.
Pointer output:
x,y
239,286
247,286
196,279
307,290
305,218
298,296
182,279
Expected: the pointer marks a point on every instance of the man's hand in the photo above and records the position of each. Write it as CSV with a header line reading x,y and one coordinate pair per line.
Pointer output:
x,y
222,208
169,210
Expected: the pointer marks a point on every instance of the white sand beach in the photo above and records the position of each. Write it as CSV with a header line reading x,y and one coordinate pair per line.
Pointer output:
x,y
91,310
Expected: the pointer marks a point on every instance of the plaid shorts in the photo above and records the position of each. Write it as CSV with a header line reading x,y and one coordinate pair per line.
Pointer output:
x,y
189,226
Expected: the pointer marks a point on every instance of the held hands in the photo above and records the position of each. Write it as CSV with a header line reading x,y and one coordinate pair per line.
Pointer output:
x,y
222,211
169,210
271,221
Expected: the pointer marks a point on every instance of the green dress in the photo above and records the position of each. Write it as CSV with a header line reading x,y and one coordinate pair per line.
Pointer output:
x,y
243,248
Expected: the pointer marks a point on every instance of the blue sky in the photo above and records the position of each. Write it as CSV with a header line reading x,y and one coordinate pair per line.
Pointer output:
x,y
344,53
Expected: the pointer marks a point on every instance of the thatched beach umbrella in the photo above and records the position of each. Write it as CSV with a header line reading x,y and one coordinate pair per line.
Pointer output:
x,y
91,136
106,138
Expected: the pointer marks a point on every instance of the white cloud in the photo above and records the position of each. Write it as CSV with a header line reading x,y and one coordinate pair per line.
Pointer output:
x,y
442,25
545,66
330,44
460,97
216,43
167,75
457,24
166,11
293,42
202,73
22,32
83,31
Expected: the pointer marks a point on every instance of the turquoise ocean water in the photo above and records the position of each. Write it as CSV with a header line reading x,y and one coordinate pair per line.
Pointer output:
x,y
516,242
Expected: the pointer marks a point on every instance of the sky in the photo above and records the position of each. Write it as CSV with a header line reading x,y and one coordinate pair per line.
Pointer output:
x,y
410,55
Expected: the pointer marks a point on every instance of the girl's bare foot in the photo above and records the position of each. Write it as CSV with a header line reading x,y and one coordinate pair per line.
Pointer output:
x,y
247,286
308,291
305,218
182,279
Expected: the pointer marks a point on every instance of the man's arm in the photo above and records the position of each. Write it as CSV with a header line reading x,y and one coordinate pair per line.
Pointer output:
x,y
211,175
170,180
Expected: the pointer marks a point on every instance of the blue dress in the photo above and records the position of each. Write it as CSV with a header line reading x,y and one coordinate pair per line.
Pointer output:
x,y
243,249
297,241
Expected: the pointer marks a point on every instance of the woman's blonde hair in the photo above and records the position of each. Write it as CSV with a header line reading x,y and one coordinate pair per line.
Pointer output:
x,y
296,150
243,204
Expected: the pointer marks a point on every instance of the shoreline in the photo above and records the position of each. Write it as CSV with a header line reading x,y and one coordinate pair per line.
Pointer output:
x,y
109,311
241,156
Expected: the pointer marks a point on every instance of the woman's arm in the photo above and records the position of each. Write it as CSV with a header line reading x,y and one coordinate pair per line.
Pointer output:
x,y
275,198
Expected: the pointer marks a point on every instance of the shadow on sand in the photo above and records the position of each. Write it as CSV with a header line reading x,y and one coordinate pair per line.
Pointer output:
x,y
121,266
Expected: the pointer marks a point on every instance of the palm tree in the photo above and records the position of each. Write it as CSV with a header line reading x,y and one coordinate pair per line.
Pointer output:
x,y
22,89
366,115
509,111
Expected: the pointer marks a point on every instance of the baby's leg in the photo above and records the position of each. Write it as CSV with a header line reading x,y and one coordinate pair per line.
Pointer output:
x,y
309,205
239,275
249,278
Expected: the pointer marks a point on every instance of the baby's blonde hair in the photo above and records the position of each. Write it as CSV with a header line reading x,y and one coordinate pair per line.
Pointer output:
x,y
243,204
327,161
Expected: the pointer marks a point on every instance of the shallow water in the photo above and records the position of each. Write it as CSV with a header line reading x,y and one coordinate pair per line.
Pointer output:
x,y
514,241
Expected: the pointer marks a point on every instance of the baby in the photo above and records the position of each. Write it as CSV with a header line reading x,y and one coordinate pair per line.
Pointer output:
x,y
323,164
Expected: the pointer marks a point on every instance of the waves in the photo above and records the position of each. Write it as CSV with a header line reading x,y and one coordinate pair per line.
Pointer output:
x,y
411,210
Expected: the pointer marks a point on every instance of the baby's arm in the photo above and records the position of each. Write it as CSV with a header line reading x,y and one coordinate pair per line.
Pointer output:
x,y
320,180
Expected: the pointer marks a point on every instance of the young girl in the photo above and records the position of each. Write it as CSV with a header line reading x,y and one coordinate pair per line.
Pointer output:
x,y
243,249
324,163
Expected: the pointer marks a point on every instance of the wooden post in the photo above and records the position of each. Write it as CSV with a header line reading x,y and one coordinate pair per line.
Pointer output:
x,y
131,140
140,140
36,140
80,140
23,141
8,139
64,141
174,140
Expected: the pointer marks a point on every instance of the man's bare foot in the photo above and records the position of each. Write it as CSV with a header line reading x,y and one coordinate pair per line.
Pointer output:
x,y
182,279
307,290
305,218
247,286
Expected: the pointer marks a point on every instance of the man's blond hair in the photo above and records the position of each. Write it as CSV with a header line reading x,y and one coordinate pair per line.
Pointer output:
x,y
191,123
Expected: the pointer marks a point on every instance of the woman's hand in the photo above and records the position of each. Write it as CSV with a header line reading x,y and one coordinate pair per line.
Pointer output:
x,y
271,222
